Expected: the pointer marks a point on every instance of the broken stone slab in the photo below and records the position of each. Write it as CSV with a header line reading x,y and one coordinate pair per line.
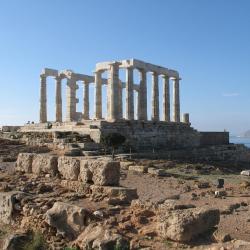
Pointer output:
x,y
115,195
15,241
157,172
185,225
9,204
125,164
69,220
98,237
45,163
100,172
69,167
24,162
76,186
174,205
245,172
138,168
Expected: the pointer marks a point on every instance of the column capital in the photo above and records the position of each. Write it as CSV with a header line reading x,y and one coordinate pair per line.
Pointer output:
x,y
176,78
166,77
100,71
154,73
130,67
43,76
114,65
86,82
58,78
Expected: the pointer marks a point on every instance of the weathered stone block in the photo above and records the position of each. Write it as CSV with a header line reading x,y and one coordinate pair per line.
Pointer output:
x,y
8,202
24,162
115,195
140,169
245,172
157,172
69,220
100,172
69,167
45,163
184,225
125,164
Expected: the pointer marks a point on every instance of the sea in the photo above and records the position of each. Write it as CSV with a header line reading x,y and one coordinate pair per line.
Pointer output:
x,y
240,140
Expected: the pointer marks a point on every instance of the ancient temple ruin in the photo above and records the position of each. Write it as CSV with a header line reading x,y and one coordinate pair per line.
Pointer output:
x,y
162,131
115,87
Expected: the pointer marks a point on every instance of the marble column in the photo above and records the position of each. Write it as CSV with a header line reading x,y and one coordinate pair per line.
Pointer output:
x,y
176,100
43,99
166,99
142,95
185,118
155,97
129,94
113,91
71,100
86,101
58,99
120,111
98,94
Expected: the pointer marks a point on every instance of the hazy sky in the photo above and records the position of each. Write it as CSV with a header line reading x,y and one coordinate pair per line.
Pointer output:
x,y
208,42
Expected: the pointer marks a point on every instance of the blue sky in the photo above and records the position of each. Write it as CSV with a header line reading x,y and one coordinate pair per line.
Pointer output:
x,y
207,41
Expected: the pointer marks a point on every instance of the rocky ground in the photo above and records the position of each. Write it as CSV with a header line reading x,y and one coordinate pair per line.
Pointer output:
x,y
178,207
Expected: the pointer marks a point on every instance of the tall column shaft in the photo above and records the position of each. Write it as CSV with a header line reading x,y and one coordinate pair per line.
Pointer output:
x,y
43,99
86,101
98,95
58,100
155,97
120,111
129,94
113,91
142,96
176,101
71,100
166,99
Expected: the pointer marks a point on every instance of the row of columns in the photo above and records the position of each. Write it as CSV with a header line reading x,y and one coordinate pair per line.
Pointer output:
x,y
71,99
114,100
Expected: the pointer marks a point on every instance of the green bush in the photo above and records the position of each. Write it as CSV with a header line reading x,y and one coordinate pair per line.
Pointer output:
x,y
37,243
112,140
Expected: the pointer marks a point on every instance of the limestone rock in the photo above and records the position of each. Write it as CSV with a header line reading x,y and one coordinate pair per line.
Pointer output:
x,y
15,242
138,168
157,172
24,162
8,205
99,237
171,204
115,195
245,172
125,164
45,163
69,220
184,225
69,167
100,172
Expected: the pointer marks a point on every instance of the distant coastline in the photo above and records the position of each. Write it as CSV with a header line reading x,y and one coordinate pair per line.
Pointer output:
x,y
240,140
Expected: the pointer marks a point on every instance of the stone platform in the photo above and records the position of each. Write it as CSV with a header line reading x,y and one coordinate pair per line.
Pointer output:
x,y
139,135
